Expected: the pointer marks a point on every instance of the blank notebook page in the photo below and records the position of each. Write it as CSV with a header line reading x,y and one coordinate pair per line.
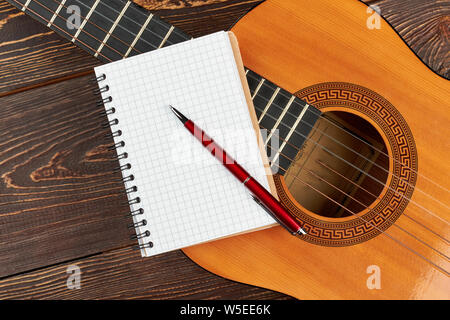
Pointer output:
x,y
187,195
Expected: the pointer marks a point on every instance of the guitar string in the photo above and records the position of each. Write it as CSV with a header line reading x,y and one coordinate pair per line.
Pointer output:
x,y
143,15
357,168
99,27
107,32
377,198
350,149
322,116
364,206
38,15
356,137
360,187
127,30
89,34
374,226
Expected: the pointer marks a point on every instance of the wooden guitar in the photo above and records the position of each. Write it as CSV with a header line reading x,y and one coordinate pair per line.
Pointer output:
x,y
389,219
357,133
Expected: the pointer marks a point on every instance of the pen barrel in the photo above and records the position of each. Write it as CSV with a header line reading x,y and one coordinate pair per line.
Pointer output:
x,y
279,213
263,197
217,151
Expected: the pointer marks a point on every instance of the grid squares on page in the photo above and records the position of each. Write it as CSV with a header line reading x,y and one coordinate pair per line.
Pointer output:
x,y
186,203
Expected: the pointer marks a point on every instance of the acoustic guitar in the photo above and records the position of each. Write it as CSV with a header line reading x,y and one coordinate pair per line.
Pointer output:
x,y
362,165
371,183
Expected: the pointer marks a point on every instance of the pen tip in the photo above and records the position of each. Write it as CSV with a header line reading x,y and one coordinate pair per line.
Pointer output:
x,y
301,232
179,115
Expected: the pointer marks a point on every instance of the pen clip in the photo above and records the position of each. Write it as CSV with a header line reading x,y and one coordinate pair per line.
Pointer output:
x,y
271,213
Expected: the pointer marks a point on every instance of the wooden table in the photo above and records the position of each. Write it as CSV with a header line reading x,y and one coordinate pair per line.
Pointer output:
x,y
59,197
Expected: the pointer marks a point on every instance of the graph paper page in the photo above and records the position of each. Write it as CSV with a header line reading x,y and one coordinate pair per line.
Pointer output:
x,y
187,195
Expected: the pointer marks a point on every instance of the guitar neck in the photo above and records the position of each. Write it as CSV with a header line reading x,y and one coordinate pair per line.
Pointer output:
x,y
116,29
109,30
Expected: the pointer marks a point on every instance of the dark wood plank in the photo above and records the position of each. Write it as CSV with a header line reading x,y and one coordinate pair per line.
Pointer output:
x,y
59,198
198,18
123,274
424,26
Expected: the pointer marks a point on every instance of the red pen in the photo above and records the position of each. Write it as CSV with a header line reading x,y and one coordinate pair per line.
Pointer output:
x,y
263,197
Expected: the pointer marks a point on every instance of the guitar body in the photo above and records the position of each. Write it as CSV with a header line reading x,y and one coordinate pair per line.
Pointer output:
x,y
325,53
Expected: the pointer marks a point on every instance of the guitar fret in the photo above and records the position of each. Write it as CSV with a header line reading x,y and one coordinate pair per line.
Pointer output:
x,y
56,13
176,37
290,133
26,5
166,37
285,110
144,26
269,103
111,30
258,87
85,20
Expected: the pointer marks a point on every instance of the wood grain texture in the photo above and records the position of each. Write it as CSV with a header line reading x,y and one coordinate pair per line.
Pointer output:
x,y
57,199
123,274
198,18
31,53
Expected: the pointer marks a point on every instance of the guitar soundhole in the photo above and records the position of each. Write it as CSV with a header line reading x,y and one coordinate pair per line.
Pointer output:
x,y
344,165
326,222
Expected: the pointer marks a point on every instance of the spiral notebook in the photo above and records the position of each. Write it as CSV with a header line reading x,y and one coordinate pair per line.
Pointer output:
x,y
179,194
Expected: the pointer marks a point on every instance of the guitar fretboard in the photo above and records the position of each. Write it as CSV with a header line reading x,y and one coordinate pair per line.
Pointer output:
x,y
116,29
286,120
110,30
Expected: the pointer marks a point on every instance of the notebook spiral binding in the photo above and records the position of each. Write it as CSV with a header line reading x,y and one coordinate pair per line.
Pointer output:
x,y
134,213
